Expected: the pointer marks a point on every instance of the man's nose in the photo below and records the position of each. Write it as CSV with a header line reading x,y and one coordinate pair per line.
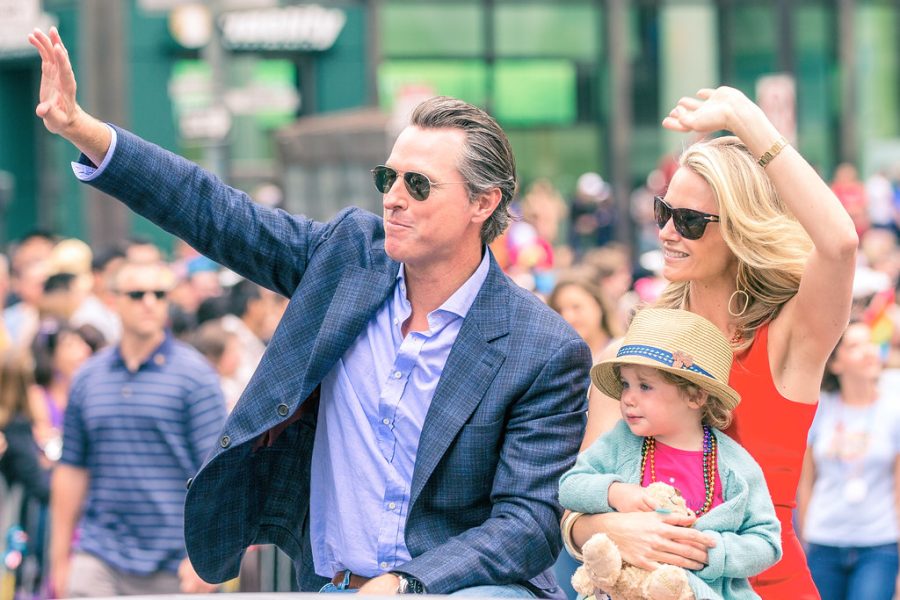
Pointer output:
x,y
396,196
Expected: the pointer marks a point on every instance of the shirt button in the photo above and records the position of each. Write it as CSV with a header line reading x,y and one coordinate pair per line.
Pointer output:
x,y
392,505
225,441
283,409
126,392
397,374
188,483
386,421
384,565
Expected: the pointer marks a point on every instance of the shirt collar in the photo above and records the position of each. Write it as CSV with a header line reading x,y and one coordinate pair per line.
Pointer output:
x,y
462,299
156,359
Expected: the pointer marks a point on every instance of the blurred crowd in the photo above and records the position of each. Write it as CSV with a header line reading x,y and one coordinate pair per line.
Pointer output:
x,y
58,309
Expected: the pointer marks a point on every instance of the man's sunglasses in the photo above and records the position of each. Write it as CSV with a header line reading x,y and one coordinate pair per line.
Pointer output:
x,y
690,224
417,184
141,294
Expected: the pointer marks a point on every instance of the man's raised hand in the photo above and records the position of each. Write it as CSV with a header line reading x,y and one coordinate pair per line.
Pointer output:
x,y
57,106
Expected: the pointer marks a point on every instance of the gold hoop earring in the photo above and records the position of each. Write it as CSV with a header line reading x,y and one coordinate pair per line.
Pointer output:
x,y
745,296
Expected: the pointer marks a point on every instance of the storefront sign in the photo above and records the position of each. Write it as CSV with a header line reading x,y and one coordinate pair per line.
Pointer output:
x,y
306,27
17,19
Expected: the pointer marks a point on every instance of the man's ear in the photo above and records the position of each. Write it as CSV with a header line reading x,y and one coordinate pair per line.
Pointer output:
x,y
486,203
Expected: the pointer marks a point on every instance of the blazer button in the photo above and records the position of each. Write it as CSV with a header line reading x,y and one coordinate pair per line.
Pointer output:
x,y
283,409
187,485
225,441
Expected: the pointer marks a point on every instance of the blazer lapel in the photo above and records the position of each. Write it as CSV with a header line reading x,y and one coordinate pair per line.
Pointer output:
x,y
471,366
357,297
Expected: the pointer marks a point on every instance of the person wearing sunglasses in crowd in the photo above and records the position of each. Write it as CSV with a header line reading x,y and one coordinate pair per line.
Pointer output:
x,y
757,243
141,417
403,433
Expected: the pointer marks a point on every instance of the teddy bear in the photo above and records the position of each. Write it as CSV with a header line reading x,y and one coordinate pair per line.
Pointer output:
x,y
604,571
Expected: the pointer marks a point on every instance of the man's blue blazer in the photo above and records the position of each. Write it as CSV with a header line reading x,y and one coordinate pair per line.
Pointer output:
x,y
505,423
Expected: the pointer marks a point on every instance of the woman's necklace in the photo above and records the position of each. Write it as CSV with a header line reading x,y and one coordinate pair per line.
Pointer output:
x,y
710,446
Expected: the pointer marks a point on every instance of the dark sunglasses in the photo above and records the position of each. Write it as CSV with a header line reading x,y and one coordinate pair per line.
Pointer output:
x,y
690,224
141,294
418,185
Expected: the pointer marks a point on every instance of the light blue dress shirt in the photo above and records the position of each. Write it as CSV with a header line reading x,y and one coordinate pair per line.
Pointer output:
x,y
374,403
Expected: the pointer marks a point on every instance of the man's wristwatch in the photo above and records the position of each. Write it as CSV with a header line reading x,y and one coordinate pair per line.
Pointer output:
x,y
409,584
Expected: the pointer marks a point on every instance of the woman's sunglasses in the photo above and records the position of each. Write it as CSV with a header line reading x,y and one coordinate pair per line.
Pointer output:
x,y
690,224
418,185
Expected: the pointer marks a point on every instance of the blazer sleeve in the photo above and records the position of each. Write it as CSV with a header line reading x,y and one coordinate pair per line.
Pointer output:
x,y
521,538
270,247
585,487
756,546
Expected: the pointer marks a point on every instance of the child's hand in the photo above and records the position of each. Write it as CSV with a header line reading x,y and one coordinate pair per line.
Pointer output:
x,y
630,497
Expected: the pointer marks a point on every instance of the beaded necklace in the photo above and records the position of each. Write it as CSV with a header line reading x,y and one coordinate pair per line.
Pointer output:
x,y
710,446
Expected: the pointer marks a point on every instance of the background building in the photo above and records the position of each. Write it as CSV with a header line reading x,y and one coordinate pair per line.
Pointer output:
x,y
580,85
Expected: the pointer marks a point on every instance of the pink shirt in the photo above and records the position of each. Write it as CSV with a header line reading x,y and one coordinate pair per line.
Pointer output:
x,y
683,470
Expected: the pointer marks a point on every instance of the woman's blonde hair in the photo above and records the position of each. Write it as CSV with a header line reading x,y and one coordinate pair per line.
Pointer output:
x,y
769,243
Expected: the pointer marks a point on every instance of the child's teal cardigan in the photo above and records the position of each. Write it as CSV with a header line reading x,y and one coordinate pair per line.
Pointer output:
x,y
744,526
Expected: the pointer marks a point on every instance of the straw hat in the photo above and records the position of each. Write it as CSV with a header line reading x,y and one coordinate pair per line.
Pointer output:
x,y
676,341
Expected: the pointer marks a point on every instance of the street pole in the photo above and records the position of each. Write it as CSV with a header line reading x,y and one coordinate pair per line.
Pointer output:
x,y
215,150
105,86
617,32
849,146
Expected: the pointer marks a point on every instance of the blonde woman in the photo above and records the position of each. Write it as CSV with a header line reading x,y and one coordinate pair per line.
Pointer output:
x,y
757,243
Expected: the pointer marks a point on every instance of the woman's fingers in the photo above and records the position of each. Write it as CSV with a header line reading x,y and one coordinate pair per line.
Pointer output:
x,y
690,103
643,562
674,124
663,551
676,559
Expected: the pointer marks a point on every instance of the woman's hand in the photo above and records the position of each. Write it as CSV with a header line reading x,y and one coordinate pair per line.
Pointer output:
x,y
711,110
649,539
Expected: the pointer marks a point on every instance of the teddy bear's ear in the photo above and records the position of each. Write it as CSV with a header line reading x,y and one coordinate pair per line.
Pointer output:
x,y
581,582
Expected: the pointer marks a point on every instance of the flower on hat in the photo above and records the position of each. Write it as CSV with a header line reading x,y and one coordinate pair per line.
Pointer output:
x,y
682,360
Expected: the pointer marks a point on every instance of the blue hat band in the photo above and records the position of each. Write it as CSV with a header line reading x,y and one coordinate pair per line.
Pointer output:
x,y
661,356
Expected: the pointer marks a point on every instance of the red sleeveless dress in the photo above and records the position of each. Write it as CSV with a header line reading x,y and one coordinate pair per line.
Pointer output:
x,y
773,430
